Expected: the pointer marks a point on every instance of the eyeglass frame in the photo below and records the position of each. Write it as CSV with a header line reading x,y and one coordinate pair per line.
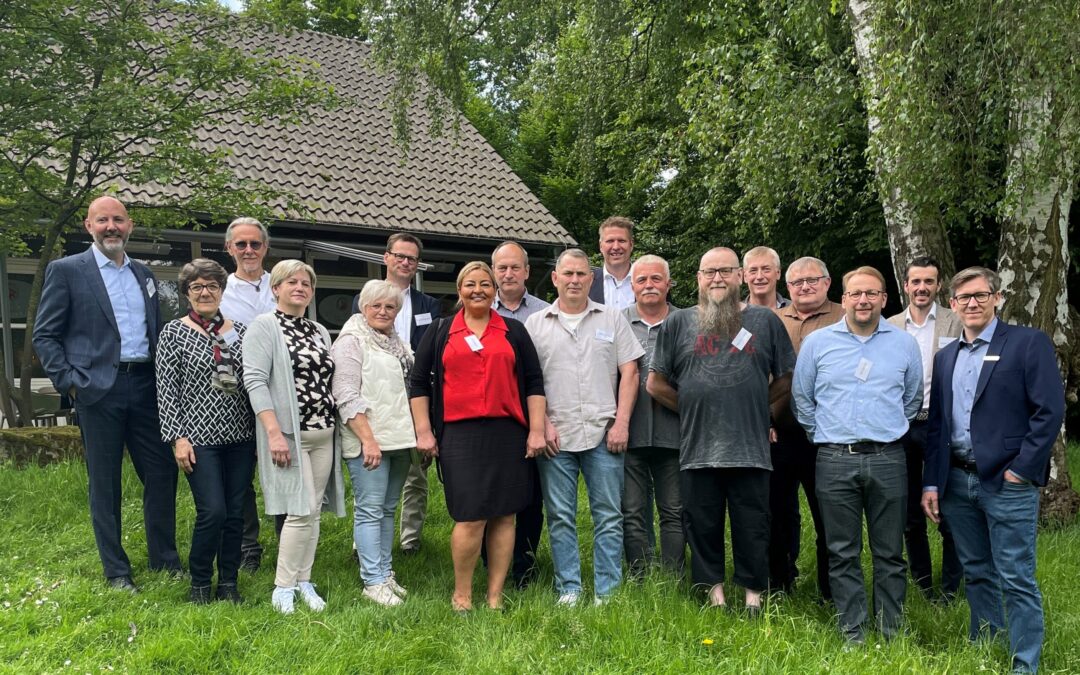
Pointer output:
x,y
811,282
712,272
405,257
243,244
197,289
965,298
871,294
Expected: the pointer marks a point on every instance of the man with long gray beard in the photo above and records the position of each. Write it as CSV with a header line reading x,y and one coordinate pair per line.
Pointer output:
x,y
713,365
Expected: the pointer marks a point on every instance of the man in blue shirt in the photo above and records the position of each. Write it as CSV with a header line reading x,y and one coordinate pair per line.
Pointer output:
x,y
996,406
857,384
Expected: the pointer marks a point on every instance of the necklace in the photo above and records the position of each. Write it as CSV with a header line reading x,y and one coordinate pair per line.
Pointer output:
x,y
257,285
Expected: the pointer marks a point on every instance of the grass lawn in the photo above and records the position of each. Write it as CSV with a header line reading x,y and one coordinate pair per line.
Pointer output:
x,y
56,614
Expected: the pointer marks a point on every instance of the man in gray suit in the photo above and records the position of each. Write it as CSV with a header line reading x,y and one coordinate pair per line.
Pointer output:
x,y
933,327
96,334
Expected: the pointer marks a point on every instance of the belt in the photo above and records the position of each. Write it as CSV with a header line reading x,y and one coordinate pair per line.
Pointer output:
x,y
923,415
135,367
963,464
859,448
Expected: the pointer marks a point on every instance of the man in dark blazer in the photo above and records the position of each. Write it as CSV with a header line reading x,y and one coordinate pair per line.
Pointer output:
x,y
611,281
96,334
996,406
417,312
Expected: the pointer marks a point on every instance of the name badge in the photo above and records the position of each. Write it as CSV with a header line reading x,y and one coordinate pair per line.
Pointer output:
x,y
605,336
423,319
741,339
862,371
943,342
150,287
474,343
992,357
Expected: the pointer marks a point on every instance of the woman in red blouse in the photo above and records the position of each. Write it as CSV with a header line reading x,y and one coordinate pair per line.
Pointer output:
x,y
477,397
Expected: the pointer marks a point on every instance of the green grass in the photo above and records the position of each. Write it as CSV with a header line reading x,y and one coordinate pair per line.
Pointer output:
x,y
57,616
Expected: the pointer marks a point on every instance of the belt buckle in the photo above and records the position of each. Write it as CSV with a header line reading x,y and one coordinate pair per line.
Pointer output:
x,y
850,448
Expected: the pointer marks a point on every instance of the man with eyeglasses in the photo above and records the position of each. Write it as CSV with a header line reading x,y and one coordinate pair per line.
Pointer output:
x,y
716,365
857,384
418,311
997,404
794,456
933,327
761,266
96,335
247,294
611,281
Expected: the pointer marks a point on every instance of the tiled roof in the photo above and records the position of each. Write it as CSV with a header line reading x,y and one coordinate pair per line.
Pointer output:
x,y
345,165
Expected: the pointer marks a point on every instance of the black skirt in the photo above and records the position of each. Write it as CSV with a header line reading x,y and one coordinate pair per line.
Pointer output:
x,y
484,469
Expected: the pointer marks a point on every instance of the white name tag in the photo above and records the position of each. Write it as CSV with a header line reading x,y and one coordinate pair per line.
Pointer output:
x,y
741,339
423,319
150,287
992,357
605,336
943,342
862,371
474,343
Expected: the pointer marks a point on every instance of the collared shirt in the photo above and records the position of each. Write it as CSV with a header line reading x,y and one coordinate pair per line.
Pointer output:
x,y
242,301
798,329
403,322
581,370
847,390
617,294
128,305
529,305
969,363
781,301
479,380
652,425
924,335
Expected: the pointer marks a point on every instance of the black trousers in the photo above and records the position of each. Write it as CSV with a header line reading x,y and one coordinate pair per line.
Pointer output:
x,y
528,526
128,416
915,537
219,480
710,494
794,460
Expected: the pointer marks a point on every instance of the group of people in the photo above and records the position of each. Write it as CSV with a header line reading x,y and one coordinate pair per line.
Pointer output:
x,y
720,410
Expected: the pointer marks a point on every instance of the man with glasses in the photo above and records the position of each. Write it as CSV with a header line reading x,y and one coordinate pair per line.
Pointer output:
x,y
418,310
247,294
997,404
933,327
761,267
715,364
857,384
794,457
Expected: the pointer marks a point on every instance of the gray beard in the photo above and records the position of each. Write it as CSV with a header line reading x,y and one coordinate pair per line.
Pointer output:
x,y
719,317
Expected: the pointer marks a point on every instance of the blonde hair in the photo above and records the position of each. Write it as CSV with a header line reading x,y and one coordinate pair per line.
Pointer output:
x,y
472,267
286,268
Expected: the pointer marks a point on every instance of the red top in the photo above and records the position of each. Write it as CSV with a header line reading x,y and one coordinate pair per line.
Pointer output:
x,y
481,382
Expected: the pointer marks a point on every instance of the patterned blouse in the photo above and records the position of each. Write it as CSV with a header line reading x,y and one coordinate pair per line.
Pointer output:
x,y
313,368
188,405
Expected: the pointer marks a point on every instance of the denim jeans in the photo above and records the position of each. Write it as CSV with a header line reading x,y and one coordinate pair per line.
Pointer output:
x,y
603,473
375,498
220,477
652,468
995,540
849,485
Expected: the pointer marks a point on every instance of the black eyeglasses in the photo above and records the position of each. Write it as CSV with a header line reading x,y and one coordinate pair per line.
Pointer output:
x,y
197,289
241,244
870,295
812,282
401,257
964,298
710,272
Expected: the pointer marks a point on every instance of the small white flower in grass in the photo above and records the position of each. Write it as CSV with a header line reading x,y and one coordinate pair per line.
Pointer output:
x,y
134,632
7,604
67,663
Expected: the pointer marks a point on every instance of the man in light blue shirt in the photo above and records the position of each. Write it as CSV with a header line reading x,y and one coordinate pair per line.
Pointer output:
x,y
857,384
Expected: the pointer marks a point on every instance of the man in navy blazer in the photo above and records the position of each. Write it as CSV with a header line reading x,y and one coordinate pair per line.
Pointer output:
x,y
417,313
96,334
996,406
611,281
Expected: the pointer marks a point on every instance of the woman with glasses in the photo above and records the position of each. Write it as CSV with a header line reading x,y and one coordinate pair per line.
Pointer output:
x,y
287,370
205,415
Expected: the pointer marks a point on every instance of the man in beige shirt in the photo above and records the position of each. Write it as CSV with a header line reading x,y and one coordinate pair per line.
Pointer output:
x,y
794,457
589,357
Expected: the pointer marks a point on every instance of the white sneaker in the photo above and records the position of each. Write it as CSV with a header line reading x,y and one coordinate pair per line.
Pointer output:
x,y
601,600
382,594
310,597
282,599
568,599
396,587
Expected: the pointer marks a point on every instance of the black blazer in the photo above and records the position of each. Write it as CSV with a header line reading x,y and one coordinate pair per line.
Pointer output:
x,y
421,304
596,291
426,376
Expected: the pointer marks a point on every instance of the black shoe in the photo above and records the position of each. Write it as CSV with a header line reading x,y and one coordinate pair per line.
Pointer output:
x,y
199,595
230,593
250,561
409,550
122,583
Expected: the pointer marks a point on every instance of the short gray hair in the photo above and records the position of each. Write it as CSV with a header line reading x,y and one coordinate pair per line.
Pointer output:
x,y
244,220
759,251
524,253
286,268
650,259
571,253
379,289
803,262
201,268
971,273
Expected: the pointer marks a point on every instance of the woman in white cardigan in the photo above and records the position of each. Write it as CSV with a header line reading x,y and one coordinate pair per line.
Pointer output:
x,y
371,364
287,372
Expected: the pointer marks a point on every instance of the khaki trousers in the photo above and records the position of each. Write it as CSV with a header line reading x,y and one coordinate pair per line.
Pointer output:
x,y
300,534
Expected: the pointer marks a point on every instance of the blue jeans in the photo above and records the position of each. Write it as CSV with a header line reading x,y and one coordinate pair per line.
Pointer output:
x,y
995,541
603,472
219,480
375,497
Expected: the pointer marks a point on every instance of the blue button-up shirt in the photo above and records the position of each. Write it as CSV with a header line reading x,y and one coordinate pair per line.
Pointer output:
x,y
969,363
128,305
529,305
848,389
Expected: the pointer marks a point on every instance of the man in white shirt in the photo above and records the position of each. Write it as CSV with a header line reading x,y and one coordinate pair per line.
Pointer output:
x,y
247,295
611,282
933,327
